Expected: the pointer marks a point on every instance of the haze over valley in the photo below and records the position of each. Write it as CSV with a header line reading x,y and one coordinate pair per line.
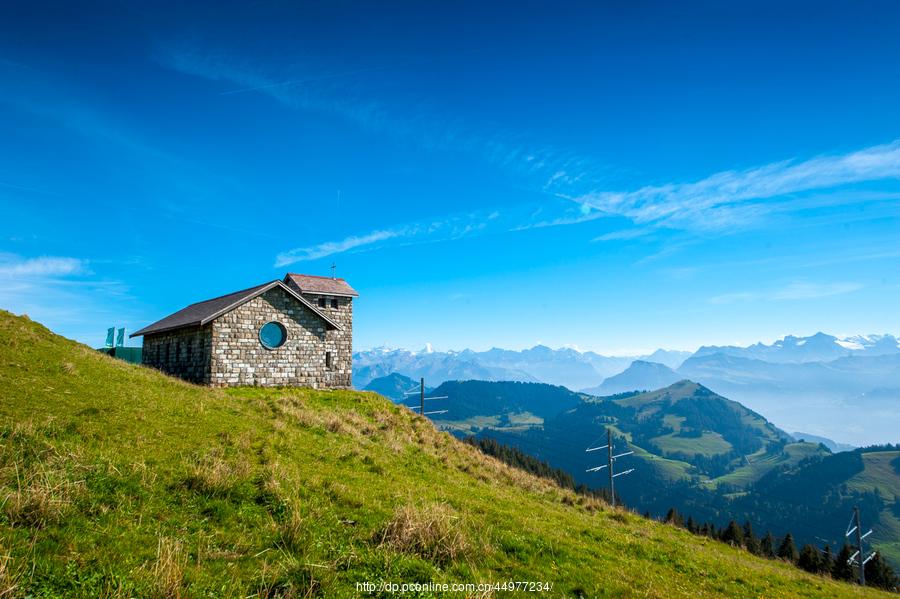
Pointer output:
x,y
845,389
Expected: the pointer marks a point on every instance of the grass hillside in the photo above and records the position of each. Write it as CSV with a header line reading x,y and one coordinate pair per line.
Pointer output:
x,y
760,463
882,472
118,481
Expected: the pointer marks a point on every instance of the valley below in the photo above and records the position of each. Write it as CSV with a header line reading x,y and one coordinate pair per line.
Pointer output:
x,y
708,457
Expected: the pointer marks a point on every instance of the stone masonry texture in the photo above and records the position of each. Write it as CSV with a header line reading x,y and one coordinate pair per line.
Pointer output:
x,y
183,353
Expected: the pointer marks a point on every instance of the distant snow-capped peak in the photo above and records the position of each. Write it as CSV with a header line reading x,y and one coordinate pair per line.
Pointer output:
x,y
863,342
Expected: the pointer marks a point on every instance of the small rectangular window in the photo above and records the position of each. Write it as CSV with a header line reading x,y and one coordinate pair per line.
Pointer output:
x,y
334,303
329,360
321,302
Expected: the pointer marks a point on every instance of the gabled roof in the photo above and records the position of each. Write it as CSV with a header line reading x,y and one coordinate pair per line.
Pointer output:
x,y
321,285
205,312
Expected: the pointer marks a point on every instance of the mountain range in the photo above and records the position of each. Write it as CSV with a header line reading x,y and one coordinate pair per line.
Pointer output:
x,y
815,348
641,374
841,388
565,366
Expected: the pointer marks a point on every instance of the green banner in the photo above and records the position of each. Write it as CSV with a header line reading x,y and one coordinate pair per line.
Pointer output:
x,y
110,333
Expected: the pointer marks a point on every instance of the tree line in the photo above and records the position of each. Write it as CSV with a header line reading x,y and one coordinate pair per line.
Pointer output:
x,y
810,558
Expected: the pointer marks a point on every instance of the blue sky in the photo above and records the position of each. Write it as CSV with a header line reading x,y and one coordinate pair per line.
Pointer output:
x,y
617,176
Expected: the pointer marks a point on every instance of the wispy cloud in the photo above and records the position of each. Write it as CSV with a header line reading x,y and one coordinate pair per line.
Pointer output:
x,y
720,203
426,231
623,234
791,292
733,198
328,248
12,266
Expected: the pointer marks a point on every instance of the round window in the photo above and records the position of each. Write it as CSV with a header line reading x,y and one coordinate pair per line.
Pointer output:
x,y
272,335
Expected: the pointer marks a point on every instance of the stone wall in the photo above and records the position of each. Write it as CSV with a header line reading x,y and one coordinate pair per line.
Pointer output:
x,y
341,342
184,353
239,358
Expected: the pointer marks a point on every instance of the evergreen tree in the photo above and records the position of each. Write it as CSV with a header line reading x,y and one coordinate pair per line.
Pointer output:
x,y
733,535
826,561
879,574
691,525
673,517
750,540
809,559
767,545
841,570
787,550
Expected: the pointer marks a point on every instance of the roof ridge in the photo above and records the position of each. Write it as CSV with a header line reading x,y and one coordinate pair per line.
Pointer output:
x,y
300,274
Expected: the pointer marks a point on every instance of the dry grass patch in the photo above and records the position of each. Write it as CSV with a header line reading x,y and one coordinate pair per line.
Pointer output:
x,y
215,475
294,409
168,569
273,479
433,532
347,422
293,531
36,505
148,475
41,497
592,504
9,575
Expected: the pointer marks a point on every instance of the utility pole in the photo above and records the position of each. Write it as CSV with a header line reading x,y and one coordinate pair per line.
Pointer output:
x,y
610,464
857,557
422,399
862,566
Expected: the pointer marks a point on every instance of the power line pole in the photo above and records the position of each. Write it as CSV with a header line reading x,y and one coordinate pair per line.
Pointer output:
x,y
422,399
859,547
610,464
857,557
